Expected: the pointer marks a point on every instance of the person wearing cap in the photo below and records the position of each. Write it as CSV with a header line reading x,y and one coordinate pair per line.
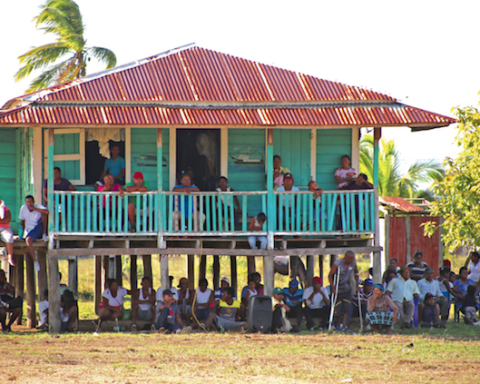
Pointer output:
x,y
293,297
429,313
418,267
278,172
286,201
362,295
381,310
280,323
143,303
115,165
169,315
224,283
7,291
138,185
203,300
402,290
429,285
226,314
171,287
317,304
185,298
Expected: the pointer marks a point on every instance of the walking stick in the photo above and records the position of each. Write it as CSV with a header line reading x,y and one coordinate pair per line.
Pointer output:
x,y
334,300
360,312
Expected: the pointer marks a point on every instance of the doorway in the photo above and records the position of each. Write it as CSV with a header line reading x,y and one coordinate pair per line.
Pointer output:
x,y
94,161
198,153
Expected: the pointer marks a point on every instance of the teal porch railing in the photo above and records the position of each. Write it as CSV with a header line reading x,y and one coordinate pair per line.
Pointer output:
x,y
211,213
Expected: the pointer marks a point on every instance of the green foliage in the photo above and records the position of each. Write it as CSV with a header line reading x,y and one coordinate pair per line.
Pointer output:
x,y
459,191
391,182
63,19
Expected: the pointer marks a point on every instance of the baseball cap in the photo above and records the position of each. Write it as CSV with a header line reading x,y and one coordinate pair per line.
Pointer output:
x,y
138,175
226,279
368,282
287,176
317,279
167,292
277,291
294,283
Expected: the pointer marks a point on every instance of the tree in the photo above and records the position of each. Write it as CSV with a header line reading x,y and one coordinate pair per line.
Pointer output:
x,y
390,181
459,191
62,18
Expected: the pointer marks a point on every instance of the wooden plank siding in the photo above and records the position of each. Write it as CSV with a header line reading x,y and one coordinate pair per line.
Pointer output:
x,y
332,144
8,175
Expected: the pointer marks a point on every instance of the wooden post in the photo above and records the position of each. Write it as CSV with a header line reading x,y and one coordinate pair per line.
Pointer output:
x,y
271,200
73,274
332,259
251,267
31,311
203,267
147,266
54,319
112,270
164,272
310,269
51,212
191,271
293,267
233,274
268,275
42,275
12,271
377,256
216,272
119,270
133,272
19,281
320,264
106,271
98,282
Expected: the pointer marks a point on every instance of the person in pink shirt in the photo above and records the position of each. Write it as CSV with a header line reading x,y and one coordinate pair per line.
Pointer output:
x,y
110,186
6,233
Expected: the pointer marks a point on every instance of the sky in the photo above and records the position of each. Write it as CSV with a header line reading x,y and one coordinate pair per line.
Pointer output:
x,y
424,53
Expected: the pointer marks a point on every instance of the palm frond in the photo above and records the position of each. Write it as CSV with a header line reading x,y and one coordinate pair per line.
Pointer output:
x,y
49,76
103,55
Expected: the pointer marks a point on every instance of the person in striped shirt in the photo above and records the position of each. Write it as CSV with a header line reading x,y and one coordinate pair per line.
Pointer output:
x,y
418,267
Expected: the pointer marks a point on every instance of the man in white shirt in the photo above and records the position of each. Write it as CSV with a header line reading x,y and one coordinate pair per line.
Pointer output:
x,y
316,304
34,224
403,290
430,285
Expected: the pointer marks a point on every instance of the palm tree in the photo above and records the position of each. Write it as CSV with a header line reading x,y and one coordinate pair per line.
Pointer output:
x,y
62,18
390,181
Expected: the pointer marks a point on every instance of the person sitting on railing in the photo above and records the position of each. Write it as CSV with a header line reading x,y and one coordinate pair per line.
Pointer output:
x,y
278,172
186,187
33,218
317,196
143,303
223,187
111,307
115,165
138,185
110,186
6,233
203,300
345,174
361,182
256,225
287,201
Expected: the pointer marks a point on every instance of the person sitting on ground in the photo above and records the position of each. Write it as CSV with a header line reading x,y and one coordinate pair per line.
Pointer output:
x,y
138,185
251,291
112,303
418,267
474,266
278,172
258,286
143,303
381,310
280,323
69,310
446,287
115,165
169,318
293,297
187,188
393,264
185,298
429,285
8,303
223,187
43,311
33,219
402,291
429,314
317,304
6,233
345,267
388,276
171,287
345,175
256,225
203,300
365,292
224,283
463,282
59,184
469,305
227,313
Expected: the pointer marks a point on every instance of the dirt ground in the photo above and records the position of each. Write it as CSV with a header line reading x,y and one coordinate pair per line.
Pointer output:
x,y
237,358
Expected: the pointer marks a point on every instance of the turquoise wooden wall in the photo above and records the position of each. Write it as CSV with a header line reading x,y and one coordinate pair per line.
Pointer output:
x,y
8,173
246,164
67,144
293,146
332,144
144,155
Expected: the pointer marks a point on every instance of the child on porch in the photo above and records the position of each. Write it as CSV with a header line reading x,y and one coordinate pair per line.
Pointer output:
x,y
256,225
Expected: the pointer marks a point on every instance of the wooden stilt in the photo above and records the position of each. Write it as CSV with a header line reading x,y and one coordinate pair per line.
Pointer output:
x,y
31,311
203,267
251,265
268,275
320,264
164,272
119,270
42,275
20,281
310,270
293,267
98,282
112,270
106,271
147,267
216,272
73,274
12,273
333,258
133,272
54,320
233,274
191,271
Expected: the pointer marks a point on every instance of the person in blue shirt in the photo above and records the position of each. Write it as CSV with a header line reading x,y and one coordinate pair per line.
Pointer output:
x,y
115,165
293,297
186,187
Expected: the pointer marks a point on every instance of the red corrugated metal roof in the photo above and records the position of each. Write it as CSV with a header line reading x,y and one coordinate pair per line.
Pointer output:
x,y
211,88
399,204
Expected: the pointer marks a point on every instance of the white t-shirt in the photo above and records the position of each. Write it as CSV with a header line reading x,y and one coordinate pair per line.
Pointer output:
x,y
317,301
343,174
144,307
203,297
474,271
115,301
31,217
42,307
252,293
285,198
222,198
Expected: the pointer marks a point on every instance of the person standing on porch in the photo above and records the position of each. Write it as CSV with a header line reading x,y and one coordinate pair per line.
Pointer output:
x,y
223,187
346,174
138,185
59,184
187,188
6,233
115,165
278,172
33,219
344,268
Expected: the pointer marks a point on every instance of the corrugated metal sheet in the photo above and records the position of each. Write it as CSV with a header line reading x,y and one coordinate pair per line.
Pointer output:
x,y
399,204
197,75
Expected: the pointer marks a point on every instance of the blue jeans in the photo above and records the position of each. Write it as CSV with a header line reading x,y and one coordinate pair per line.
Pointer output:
x,y
202,313
162,321
252,240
